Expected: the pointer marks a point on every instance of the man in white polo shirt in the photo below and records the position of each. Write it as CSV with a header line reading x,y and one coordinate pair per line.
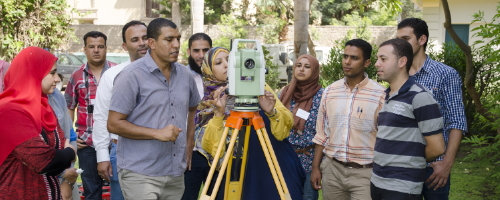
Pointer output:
x,y
135,43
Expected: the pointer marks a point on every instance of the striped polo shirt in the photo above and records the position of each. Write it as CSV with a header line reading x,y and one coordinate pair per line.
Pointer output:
x,y
405,119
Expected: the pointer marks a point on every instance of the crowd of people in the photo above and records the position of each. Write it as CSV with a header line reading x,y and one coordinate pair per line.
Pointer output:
x,y
151,126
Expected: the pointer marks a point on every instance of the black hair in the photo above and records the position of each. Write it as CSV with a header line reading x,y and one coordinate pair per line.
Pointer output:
x,y
365,47
94,34
199,36
419,28
401,49
154,27
130,24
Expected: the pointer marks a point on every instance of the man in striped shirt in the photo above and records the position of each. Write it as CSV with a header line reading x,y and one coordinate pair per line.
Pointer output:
x,y
346,128
409,128
80,95
446,86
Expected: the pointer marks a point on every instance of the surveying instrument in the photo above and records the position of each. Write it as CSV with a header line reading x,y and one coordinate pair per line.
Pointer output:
x,y
246,82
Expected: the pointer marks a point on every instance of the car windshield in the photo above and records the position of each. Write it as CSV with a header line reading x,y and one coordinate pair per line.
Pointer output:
x,y
117,59
75,60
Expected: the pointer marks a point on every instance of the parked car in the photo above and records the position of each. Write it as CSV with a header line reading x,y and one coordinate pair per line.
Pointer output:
x,y
66,65
118,58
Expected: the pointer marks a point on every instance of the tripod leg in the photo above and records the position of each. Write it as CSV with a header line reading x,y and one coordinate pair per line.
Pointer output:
x,y
234,186
265,148
229,153
213,167
276,164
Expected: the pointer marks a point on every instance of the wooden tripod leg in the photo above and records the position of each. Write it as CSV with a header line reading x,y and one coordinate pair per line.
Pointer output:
x,y
267,148
227,156
213,167
276,164
234,188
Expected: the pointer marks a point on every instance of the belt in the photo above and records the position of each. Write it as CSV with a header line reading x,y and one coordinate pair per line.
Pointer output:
x,y
353,165
114,141
305,150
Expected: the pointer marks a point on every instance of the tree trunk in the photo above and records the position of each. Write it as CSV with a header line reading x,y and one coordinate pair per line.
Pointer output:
x,y
469,72
301,22
197,15
310,43
176,13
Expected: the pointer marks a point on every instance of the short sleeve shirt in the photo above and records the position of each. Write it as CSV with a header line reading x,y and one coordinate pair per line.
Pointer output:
x,y
143,93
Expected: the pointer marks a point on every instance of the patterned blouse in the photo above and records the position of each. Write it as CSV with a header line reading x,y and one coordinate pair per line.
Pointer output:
x,y
304,140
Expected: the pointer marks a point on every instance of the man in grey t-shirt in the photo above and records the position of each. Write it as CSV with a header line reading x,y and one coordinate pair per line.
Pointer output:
x,y
152,101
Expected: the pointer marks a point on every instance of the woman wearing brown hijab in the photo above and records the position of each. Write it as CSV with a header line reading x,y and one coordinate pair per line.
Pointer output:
x,y
302,97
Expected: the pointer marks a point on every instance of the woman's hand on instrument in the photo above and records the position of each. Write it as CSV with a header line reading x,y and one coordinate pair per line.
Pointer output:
x,y
267,102
220,102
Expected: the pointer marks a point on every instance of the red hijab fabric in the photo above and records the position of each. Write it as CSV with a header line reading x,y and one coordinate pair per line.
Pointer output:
x,y
302,92
23,93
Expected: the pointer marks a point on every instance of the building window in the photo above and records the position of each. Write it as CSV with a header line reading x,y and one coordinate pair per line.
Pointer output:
x,y
152,5
462,31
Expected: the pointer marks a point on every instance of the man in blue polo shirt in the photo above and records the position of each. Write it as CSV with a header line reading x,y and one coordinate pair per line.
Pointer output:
x,y
410,128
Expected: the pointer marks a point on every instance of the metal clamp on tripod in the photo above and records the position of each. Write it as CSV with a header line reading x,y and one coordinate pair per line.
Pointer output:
x,y
246,82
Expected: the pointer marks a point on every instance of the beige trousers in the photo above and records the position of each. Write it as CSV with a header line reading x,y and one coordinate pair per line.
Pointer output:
x,y
137,186
343,183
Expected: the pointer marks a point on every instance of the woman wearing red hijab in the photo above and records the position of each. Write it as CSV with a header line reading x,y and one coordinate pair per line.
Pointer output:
x,y
33,150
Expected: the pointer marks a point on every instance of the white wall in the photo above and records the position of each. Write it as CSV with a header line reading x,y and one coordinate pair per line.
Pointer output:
x,y
461,13
109,12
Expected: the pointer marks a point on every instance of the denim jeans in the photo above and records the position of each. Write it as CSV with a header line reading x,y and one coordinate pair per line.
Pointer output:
x,y
439,194
309,192
194,178
383,194
92,183
116,191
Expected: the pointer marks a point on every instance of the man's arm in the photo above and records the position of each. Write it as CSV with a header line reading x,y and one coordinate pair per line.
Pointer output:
x,y
190,136
118,124
100,134
435,146
442,168
72,115
316,171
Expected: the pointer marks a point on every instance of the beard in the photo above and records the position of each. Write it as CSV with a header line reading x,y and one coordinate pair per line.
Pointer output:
x,y
193,65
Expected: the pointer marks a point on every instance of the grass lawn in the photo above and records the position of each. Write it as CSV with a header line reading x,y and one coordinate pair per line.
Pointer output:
x,y
469,180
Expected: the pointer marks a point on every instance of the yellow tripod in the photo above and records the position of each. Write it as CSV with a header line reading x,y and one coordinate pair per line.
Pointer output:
x,y
233,189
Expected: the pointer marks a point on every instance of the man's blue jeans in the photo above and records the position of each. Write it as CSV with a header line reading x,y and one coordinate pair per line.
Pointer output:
x,y
309,192
439,194
116,191
92,183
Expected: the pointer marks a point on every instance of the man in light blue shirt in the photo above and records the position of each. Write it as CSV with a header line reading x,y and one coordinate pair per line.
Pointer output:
x,y
152,109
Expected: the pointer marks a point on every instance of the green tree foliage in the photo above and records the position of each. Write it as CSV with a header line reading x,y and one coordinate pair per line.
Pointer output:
x,y
487,83
272,71
214,9
42,23
272,17
231,27
333,12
